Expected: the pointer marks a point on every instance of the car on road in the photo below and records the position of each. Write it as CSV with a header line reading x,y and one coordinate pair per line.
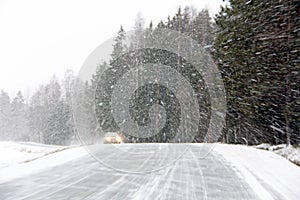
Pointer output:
x,y
113,138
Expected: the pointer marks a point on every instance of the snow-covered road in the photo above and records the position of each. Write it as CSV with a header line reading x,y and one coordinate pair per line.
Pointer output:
x,y
202,172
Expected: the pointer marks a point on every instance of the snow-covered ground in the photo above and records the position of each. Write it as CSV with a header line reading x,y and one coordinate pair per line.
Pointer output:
x,y
12,153
225,172
264,168
18,159
289,152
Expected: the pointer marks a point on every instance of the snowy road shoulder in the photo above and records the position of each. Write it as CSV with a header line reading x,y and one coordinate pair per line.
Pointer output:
x,y
289,152
12,153
262,167
20,159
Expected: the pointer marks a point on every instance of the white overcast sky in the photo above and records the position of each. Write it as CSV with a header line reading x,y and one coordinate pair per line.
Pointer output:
x,y
39,38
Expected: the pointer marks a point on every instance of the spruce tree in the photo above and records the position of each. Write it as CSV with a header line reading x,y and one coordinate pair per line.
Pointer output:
x,y
18,118
5,117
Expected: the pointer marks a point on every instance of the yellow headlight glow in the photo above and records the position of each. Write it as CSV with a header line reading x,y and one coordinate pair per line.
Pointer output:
x,y
119,139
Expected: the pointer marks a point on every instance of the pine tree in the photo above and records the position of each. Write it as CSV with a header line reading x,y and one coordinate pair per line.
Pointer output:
x,y
49,115
5,117
18,118
38,114
53,132
68,88
256,49
119,46
137,39
202,28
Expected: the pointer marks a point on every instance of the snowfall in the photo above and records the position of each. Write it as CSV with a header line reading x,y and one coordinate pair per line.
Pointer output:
x,y
264,168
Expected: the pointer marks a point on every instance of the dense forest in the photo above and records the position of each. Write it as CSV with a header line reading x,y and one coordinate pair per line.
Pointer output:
x,y
255,45
257,50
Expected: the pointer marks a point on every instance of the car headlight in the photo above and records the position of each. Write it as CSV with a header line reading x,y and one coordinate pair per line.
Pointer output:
x,y
108,139
119,139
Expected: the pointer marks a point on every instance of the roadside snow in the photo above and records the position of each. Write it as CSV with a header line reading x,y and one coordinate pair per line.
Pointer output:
x,y
12,153
289,152
264,146
15,157
270,175
261,168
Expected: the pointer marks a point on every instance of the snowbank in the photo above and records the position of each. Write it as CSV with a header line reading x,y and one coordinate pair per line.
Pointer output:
x,y
289,152
15,158
260,168
12,153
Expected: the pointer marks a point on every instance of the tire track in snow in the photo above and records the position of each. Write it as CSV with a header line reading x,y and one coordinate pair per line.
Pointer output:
x,y
196,160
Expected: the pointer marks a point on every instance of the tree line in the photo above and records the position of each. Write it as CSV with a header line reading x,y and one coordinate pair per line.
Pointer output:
x,y
255,44
256,47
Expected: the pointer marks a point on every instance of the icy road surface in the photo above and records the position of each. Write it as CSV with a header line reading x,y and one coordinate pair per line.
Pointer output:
x,y
227,172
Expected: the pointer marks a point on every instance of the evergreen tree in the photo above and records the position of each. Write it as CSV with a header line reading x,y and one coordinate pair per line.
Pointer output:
x,y
18,118
137,39
49,115
54,109
202,28
5,117
38,114
256,50
119,46
68,88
